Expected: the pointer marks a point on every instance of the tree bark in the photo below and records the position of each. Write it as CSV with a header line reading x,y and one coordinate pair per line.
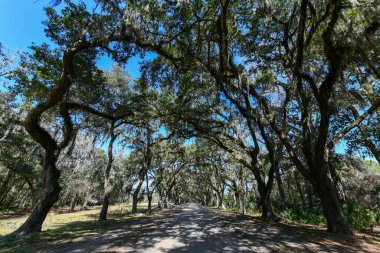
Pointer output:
x,y
107,186
50,186
144,170
236,198
281,190
135,196
221,198
72,204
242,203
265,201
265,190
332,209
150,197
50,194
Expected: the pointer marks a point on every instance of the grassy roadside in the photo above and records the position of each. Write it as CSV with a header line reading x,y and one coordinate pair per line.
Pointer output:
x,y
365,241
62,227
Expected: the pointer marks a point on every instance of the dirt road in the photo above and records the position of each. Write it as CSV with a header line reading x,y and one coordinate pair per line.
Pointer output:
x,y
192,228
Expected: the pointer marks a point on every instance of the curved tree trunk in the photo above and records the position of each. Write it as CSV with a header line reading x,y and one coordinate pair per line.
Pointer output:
x,y
50,186
50,194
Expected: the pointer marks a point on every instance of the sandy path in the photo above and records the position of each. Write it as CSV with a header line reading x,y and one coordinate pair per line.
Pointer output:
x,y
191,228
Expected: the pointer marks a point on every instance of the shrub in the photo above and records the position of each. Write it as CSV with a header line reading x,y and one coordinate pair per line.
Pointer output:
x,y
230,202
359,217
310,216
253,207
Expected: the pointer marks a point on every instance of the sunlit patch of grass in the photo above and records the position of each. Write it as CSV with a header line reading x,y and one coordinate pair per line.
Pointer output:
x,y
9,225
54,220
60,228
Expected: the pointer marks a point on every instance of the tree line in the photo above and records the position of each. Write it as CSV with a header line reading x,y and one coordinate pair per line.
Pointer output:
x,y
234,99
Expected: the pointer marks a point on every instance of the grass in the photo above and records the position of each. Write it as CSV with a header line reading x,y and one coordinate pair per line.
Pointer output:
x,y
366,241
61,228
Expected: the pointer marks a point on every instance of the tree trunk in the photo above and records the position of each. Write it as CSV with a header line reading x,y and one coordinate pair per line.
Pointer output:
x,y
150,197
281,190
135,196
159,204
86,198
144,170
299,189
50,186
221,202
265,201
107,186
72,204
237,198
105,205
170,188
134,201
50,194
332,209
221,197
242,203
217,200
265,190
266,206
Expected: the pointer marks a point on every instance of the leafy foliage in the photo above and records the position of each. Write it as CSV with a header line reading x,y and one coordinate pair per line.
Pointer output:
x,y
239,104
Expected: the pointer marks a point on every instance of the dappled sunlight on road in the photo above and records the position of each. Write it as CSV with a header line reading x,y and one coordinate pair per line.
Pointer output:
x,y
192,228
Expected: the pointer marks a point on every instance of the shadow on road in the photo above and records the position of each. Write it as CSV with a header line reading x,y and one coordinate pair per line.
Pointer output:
x,y
196,229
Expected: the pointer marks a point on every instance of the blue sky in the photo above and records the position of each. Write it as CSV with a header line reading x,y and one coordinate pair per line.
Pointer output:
x,y
21,24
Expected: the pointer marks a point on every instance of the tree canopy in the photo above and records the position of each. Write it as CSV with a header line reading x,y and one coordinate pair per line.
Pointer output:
x,y
250,105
